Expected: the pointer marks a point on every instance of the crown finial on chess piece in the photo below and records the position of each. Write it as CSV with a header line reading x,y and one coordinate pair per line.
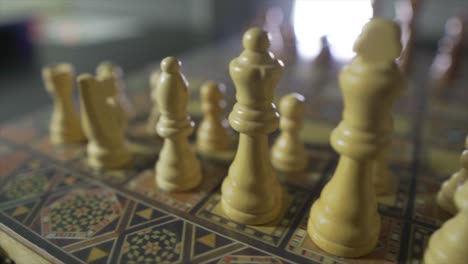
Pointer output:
x,y
292,105
256,39
170,65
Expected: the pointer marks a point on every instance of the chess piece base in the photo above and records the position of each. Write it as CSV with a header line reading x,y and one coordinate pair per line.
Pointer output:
x,y
344,221
109,159
340,249
173,187
178,168
252,218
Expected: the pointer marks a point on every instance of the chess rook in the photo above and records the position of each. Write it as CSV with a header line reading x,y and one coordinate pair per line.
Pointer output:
x,y
65,126
288,153
448,244
104,123
447,190
344,221
177,169
213,134
251,193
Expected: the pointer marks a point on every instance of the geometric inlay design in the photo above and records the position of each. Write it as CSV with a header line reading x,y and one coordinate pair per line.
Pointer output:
x,y
425,208
395,201
22,211
419,237
157,244
26,186
80,214
274,232
10,161
387,249
145,184
142,214
249,255
204,241
96,254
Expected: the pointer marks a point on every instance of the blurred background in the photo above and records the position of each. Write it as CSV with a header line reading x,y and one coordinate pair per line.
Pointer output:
x,y
133,34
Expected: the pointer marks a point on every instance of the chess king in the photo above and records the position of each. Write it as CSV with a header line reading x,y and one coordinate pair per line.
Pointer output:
x,y
344,221
251,193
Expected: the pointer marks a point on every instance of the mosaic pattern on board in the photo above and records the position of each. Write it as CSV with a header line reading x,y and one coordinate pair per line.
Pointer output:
x,y
159,244
80,214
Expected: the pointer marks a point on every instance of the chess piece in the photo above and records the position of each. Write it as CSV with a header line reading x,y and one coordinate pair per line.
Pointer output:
x,y
447,190
177,169
324,58
108,69
103,122
344,221
406,12
153,117
447,61
283,38
449,243
213,135
288,153
407,38
251,193
65,126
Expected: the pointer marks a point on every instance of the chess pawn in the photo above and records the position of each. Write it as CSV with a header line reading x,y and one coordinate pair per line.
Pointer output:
x,y
177,169
344,220
288,153
104,123
251,192
108,69
65,126
213,135
445,196
449,243
153,117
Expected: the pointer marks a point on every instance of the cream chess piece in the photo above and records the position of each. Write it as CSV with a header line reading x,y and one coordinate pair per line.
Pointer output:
x,y
447,190
251,192
107,69
213,135
65,126
288,153
153,117
449,243
344,221
104,123
177,169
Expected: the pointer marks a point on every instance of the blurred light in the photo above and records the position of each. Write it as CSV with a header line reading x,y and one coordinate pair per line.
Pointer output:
x,y
340,20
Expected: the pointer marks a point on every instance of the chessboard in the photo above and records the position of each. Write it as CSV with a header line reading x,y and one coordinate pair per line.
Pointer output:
x,y
53,205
